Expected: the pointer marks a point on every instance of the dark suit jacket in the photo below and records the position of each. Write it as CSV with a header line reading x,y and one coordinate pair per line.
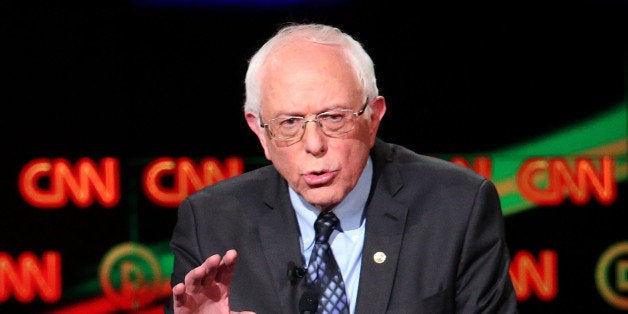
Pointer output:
x,y
439,224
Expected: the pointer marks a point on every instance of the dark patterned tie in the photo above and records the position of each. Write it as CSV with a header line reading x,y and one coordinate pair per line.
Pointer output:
x,y
323,273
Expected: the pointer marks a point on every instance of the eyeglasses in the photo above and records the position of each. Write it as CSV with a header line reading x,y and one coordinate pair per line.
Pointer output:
x,y
333,123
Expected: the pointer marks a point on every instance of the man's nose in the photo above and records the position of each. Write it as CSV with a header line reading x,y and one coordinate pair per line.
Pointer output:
x,y
313,138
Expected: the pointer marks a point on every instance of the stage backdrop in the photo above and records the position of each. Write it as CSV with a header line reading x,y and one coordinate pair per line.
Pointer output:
x,y
113,112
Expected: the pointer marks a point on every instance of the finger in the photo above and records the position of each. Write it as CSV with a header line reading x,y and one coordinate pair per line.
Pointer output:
x,y
227,265
230,258
210,269
178,294
205,272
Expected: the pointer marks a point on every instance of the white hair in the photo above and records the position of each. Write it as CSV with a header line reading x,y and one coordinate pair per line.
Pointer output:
x,y
359,59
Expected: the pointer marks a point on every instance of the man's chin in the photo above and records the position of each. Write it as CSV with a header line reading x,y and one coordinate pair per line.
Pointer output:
x,y
322,201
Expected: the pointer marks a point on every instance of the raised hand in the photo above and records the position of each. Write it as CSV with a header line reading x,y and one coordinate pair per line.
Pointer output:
x,y
206,287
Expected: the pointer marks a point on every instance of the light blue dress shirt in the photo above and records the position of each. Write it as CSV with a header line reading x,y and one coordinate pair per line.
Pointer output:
x,y
346,244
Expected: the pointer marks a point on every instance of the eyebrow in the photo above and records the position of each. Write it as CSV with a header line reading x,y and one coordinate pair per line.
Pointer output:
x,y
292,114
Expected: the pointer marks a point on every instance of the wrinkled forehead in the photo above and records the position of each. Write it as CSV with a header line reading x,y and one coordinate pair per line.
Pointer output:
x,y
309,70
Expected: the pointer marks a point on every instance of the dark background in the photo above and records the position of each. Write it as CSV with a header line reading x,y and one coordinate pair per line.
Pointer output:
x,y
136,81
99,74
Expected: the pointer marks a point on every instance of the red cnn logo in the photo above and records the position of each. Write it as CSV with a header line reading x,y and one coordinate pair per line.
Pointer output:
x,y
46,183
549,181
27,276
185,177
529,275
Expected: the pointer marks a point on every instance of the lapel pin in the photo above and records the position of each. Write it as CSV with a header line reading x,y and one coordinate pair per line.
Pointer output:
x,y
379,257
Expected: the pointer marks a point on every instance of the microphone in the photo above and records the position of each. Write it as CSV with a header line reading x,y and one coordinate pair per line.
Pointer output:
x,y
308,303
295,272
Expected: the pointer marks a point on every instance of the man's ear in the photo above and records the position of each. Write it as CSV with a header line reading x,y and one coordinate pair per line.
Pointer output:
x,y
378,107
254,125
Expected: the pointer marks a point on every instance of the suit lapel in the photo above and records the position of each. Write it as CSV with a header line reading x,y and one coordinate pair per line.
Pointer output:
x,y
279,237
385,223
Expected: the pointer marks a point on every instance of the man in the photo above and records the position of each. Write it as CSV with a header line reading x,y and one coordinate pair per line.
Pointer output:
x,y
417,234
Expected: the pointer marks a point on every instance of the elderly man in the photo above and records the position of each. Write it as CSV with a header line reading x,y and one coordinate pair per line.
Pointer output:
x,y
407,233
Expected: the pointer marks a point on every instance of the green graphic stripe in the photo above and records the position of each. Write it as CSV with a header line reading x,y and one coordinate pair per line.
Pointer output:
x,y
603,135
